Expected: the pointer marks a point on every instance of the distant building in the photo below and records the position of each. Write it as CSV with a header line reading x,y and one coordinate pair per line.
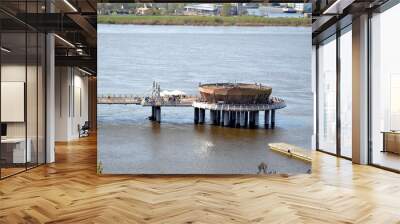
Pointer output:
x,y
301,7
142,11
201,9
250,5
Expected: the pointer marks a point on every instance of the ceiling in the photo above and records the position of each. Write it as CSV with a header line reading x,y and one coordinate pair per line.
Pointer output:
x,y
73,21
332,15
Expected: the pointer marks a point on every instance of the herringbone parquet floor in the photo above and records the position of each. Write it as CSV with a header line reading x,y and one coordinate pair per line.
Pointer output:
x,y
69,191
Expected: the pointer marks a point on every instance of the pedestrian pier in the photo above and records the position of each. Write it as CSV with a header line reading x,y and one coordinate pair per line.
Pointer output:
x,y
239,115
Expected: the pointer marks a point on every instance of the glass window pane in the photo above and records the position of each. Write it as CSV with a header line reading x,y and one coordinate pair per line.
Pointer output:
x,y
385,92
13,86
327,96
23,89
346,94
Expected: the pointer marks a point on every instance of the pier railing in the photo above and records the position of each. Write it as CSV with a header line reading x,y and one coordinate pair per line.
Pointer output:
x,y
165,101
237,115
272,104
187,101
119,99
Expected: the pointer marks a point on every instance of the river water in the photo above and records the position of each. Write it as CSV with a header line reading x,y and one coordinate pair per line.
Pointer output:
x,y
130,57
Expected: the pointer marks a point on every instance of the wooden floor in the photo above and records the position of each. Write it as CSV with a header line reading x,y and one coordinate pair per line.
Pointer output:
x,y
387,159
69,191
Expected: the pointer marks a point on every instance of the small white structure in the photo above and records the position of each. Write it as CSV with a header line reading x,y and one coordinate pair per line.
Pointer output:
x,y
201,9
172,93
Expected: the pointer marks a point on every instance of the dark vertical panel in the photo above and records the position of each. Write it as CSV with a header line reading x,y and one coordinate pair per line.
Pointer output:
x,y
1,165
45,90
73,91
369,55
338,82
26,86
317,96
37,91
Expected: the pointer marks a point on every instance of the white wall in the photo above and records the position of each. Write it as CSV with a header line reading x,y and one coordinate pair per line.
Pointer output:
x,y
71,102
13,73
62,83
33,126
10,73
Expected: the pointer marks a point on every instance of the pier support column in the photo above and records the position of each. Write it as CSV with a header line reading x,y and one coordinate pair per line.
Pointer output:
x,y
232,118
158,114
272,118
153,114
266,119
256,118
196,115
218,117
251,119
226,118
212,117
242,119
246,118
237,119
202,116
222,118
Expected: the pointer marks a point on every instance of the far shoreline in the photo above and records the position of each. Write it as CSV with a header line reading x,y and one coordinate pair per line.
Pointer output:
x,y
249,21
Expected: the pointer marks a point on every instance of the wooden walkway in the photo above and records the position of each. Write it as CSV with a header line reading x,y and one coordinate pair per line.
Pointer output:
x,y
147,101
69,191
119,99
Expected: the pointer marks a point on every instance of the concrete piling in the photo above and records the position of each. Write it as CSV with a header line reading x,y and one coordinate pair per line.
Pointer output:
x,y
256,118
251,119
272,118
221,118
232,118
212,117
202,116
153,114
237,113
266,119
196,115
218,117
242,119
226,118
246,118
158,114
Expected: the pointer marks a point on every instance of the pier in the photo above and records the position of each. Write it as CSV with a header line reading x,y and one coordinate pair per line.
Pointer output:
x,y
238,115
227,114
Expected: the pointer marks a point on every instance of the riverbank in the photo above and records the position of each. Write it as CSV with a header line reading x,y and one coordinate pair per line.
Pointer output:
x,y
203,20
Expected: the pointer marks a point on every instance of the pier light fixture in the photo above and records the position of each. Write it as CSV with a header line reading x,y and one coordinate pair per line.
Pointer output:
x,y
70,5
64,40
5,50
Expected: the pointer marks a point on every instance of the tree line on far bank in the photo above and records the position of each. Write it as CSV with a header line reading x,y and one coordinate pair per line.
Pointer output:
x,y
203,20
